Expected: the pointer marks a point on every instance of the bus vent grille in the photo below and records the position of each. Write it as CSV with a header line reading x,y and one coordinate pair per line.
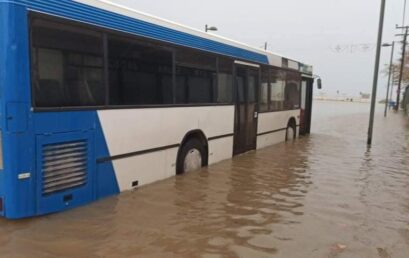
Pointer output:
x,y
64,166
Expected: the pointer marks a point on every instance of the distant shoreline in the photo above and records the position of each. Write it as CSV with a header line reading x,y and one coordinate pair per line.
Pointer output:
x,y
344,100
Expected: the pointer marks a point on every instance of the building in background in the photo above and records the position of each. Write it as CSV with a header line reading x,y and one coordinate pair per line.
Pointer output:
x,y
343,97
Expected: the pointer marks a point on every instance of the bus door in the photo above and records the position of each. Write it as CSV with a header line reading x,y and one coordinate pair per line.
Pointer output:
x,y
245,130
306,105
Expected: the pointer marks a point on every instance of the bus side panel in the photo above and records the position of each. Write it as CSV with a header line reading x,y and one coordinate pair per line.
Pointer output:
x,y
19,184
132,131
272,127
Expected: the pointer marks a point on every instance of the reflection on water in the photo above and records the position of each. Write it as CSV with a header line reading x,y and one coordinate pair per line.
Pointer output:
x,y
326,195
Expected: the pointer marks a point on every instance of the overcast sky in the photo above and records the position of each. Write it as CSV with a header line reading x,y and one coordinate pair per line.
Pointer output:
x,y
337,37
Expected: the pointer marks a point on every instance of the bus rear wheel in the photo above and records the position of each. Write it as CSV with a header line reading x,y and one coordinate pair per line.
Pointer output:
x,y
291,132
191,157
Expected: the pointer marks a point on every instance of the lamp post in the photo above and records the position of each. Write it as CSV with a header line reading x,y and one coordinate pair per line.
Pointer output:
x,y
389,77
210,28
392,85
376,71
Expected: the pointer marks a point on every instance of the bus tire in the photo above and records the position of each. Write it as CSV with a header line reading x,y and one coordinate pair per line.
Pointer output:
x,y
191,157
291,132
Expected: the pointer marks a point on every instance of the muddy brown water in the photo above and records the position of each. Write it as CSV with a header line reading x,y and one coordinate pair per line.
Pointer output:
x,y
326,195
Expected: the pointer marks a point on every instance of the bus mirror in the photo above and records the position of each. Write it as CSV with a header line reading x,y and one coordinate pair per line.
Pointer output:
x,y
319,83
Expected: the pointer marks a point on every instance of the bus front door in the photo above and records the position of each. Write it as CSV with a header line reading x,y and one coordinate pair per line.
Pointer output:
x,y
306,105
245,132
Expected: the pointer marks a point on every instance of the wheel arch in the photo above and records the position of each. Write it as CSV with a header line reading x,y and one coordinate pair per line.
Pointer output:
x,y
292,121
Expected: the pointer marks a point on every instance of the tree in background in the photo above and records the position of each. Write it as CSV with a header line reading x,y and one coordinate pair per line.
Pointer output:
x,y
396,71
396,68
405,81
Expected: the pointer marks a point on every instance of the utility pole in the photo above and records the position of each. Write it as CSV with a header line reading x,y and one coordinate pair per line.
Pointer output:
x,y
376,72
266,46
389,78
402,65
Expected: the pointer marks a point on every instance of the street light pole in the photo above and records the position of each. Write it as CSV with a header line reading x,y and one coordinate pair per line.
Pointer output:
x,y
393,84
376,72
389,77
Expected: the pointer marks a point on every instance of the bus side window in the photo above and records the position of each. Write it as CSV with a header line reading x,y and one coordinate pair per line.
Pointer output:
x,y
277,90
196,76
224,92
67,64
49,87
140,73
292,91
264,91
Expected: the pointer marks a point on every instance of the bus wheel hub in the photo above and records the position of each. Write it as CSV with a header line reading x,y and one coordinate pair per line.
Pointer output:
x,y
193,160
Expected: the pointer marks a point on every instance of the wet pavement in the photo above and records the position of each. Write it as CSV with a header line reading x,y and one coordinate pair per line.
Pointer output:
x,y
326,195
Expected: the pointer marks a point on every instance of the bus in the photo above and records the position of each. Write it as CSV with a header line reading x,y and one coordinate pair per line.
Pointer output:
x,y
97,98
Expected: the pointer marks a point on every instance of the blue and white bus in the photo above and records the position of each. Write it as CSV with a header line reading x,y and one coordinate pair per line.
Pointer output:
x,y
96,99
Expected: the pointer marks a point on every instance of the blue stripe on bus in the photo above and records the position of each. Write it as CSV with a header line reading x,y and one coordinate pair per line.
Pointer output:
x,y
88,14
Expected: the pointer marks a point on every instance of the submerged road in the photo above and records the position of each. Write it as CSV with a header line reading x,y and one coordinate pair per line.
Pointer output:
x,y
326,195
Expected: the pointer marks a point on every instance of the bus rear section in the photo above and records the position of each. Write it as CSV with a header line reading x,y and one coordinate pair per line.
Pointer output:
x,y
16,183
47,161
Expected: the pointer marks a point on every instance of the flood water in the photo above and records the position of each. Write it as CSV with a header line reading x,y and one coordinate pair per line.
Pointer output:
x,y
326,195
